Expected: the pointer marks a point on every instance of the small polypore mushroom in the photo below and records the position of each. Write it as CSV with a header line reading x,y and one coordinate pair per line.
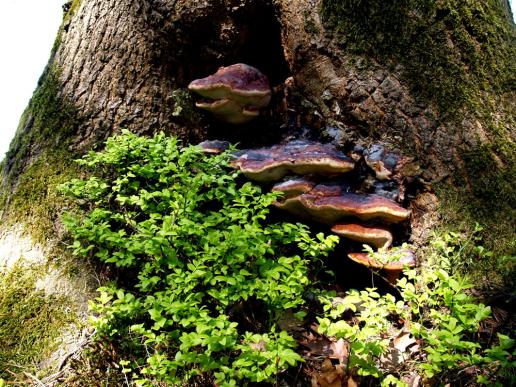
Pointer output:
x,y
236,93
326,207
297,157
383,164
401,258
375,236
294,187
213,147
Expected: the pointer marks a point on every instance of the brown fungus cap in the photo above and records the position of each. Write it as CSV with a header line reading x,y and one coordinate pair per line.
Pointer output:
x,y
236,93
331,209
406,259
294,186
297,157
374,236
392,269
214,147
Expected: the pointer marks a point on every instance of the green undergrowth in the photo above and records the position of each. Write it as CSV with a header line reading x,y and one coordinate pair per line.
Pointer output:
x,y
433,315
30,321
203,279
193,255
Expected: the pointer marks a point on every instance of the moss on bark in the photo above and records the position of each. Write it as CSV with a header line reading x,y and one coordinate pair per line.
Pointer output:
x,y
38,160
449,50
48,122
39,156
460,57
30,321
35,202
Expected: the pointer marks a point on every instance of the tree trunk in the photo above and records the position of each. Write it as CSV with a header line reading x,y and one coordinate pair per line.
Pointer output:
x,y
432,80
126,64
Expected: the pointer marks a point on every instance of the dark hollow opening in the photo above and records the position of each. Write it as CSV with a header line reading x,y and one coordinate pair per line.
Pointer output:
x,y
250,34
261,46
253,37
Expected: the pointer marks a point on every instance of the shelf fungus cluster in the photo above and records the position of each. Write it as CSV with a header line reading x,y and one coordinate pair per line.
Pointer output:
x,y
234,94
297,170
330,204
312,175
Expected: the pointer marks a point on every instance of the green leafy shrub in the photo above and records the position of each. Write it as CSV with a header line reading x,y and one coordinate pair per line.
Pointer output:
x,y
191,250
439,315
465,253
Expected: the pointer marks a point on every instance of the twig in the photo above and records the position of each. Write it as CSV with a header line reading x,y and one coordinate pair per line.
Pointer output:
x,y
30,376
80,346
52,378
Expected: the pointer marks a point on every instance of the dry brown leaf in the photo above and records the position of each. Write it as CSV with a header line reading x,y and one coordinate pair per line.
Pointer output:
x,y
339,351
327,365
330,375
415,380
403,341
259,346
318,346
351,382
414,349
397,351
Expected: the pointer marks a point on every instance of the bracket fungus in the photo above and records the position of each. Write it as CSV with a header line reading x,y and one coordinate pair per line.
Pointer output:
x,y
213,147
297,157
331,203
327,205
235,93
375,236
392,268
294,187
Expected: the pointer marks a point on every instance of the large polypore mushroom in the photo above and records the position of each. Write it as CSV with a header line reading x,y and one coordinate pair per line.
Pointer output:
x,y
395,262
297,157
236,93
328,204
375,236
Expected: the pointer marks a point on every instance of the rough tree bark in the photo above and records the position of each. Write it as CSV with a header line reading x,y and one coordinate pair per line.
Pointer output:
x,y
433,80
352,73
339,69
